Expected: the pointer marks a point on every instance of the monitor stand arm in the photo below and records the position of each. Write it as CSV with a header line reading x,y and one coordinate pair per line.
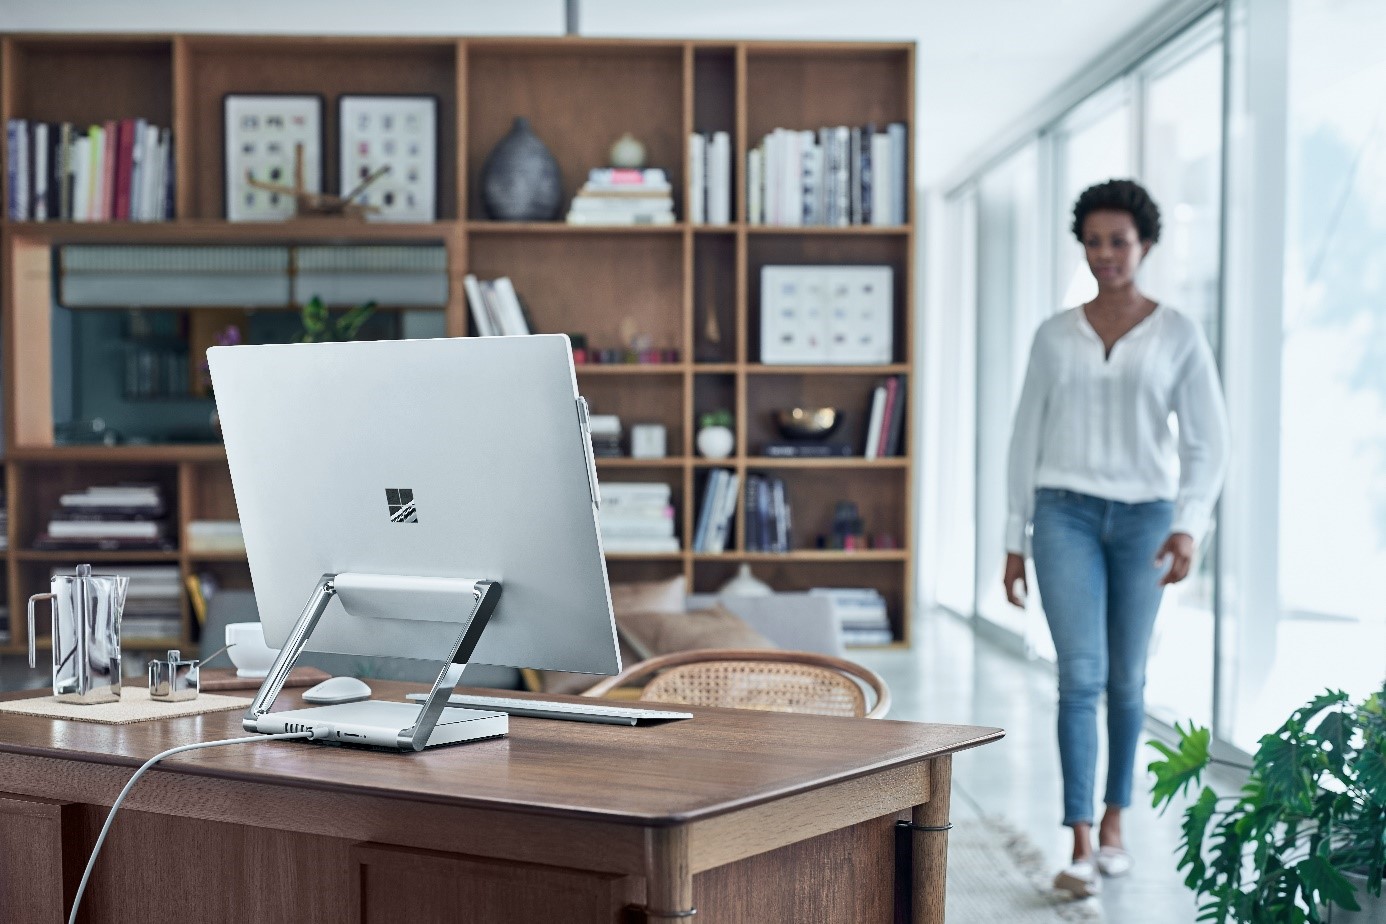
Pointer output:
x,y
485,594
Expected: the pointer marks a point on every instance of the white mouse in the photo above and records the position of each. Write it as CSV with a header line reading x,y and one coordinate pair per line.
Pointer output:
x,y
335,690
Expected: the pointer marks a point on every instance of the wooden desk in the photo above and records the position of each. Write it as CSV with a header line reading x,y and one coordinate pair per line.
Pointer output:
x,y
744,816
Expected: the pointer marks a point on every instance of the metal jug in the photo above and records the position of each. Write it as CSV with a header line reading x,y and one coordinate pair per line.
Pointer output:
x,y
86,635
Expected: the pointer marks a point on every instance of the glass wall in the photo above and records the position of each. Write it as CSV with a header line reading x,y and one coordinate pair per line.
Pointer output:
x,y
1323,623
1181,165
1274,245
1010,305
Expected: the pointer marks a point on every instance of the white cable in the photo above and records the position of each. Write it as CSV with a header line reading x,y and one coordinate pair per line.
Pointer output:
x,y
77,902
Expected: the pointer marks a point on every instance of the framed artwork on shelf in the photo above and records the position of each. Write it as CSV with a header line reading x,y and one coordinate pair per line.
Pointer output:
x,y
262,133
400,134
829,315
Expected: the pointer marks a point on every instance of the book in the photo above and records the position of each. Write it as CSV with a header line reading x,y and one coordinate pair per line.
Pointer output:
x,y
807,450
697,178
726,508
607,205
719,179
707,510
882,204
899,168
892,388
755,186
513,319
854,176
639,546
873,427
657,218
868,176
40,189
896,428
105,529
627,176
481,320
124,168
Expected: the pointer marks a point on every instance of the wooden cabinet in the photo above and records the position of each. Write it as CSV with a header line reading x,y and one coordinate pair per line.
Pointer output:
x,y
689,288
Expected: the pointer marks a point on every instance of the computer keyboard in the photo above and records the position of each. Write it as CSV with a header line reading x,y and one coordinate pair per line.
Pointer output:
x,y
571,712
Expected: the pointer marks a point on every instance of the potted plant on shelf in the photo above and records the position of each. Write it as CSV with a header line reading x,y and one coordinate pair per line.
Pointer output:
x,y
1305,839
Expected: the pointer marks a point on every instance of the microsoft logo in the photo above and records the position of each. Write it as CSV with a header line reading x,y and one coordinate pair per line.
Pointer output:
x,y
401,504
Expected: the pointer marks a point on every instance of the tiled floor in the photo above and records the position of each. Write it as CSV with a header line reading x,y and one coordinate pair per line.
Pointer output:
x,y
950,675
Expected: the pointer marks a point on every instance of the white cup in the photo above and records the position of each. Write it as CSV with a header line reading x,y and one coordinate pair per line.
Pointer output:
x,y
248,651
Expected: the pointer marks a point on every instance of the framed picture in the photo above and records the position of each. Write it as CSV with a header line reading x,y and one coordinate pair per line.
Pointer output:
x,y
262,131
398,132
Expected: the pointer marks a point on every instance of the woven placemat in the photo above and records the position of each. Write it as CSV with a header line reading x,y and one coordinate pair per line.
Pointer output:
x,y
134,706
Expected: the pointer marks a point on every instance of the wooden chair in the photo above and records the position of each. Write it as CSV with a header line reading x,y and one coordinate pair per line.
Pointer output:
x,y
771,679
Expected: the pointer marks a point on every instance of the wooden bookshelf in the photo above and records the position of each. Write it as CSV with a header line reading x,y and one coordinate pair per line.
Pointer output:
x,y
579,95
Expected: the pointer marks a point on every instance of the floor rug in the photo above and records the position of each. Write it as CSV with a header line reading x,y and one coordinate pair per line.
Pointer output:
x,y
995,873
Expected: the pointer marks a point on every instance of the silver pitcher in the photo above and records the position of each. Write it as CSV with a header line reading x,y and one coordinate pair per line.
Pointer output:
x,y
86,635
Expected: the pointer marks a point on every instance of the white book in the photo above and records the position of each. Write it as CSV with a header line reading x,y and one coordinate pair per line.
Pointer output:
x,y
617,206
640,218
480,318
854,172
93,529
514,318
719,179
619,493
697,178
755,183
40,210
899,172
165,160
96,177
21,190
873,428
792,181
646,528
491,299
154,170
728,497
842,140
137,175
813,183
882,205
638,545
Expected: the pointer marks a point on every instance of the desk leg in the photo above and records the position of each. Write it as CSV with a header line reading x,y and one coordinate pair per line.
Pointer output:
x,y
931,844
668,879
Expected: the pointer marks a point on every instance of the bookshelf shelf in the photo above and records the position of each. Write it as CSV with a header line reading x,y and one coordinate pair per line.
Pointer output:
x,y
692,288
842,462
602,369
562,227
891,369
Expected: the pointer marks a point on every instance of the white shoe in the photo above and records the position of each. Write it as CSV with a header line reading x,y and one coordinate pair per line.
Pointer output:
x,y
1113,861
1079,879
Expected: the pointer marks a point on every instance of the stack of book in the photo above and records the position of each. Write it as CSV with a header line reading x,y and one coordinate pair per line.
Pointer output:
x,y
767,514
496,308
622,196
117,171
153,606
885,426
713,530
860,613
606,437
637,517
215,536
839,176
709,178
117,518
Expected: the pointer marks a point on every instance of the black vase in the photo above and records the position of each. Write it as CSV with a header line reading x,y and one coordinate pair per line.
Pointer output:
x,y
520,181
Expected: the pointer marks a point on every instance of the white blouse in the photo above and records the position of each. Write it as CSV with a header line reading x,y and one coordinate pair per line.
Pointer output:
x,y
1101,425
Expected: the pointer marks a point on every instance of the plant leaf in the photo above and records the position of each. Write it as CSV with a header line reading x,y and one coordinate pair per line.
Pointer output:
x,y
1321,881
1180,769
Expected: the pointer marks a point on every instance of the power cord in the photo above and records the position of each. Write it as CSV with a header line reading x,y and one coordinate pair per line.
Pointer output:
x,y
320,732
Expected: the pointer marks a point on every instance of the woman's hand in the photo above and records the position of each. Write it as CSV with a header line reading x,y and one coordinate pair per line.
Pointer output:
x,y
1179,549
1015,573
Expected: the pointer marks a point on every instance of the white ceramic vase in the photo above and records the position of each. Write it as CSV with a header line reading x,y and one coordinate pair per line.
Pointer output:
x,y
715,442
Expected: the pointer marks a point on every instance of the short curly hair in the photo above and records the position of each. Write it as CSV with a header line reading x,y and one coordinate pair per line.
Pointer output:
x,y
1119,196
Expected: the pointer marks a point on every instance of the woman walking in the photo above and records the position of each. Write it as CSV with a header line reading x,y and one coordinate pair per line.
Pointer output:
x,y
1115,499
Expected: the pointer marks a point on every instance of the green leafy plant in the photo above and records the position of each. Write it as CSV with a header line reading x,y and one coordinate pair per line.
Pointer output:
x,y
718,418
1312,809
319,325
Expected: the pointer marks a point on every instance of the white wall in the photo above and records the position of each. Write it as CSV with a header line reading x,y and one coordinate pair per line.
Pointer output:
x,y
342,17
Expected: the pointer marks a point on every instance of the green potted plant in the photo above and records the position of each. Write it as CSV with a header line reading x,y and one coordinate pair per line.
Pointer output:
x,y
1305,839
319,325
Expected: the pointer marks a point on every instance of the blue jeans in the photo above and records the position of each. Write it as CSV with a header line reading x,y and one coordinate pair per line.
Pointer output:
x,y
1100,587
